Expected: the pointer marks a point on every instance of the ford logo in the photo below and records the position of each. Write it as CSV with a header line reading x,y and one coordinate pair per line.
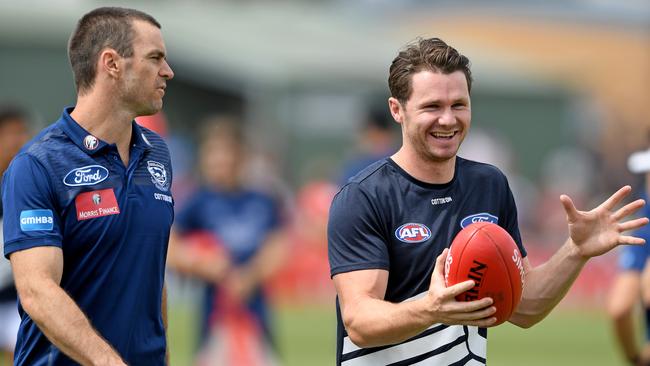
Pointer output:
x,y
413,233
85,176
479,217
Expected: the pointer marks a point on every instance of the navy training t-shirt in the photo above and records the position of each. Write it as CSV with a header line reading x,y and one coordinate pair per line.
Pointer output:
x,y
386,219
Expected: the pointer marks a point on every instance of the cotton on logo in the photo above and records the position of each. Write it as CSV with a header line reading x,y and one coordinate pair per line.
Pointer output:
x,y
413,233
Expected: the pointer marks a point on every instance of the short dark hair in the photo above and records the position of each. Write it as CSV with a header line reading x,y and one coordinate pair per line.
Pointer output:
x,y
12,112
98,29
425,54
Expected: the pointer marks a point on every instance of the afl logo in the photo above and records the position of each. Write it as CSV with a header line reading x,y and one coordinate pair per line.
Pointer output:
x,y
413,233
91,142
479,217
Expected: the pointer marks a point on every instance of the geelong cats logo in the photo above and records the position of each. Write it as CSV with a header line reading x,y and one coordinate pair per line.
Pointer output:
x,y
158,175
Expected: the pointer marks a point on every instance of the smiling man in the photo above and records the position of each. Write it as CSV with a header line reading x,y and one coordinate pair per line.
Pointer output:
x,y
390,227
85,229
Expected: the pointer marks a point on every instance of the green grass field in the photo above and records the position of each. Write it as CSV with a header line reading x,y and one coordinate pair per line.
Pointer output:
x,y
567,337
306,337
563,338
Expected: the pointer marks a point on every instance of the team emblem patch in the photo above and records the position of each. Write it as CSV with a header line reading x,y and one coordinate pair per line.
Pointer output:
x,y
158,175
91,142
96,204
85,176
479,217
412,233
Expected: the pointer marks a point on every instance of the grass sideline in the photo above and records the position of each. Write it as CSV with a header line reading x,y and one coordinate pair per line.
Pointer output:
x,y
306,336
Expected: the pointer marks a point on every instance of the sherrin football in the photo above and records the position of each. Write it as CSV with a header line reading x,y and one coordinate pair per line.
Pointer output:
x,y
486,253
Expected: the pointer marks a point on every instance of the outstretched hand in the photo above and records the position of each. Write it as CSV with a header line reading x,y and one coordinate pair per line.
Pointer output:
x,y
597,231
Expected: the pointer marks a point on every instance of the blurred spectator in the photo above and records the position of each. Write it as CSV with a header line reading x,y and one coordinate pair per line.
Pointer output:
x,y
304,279
632,284
377,140
13,135
245,247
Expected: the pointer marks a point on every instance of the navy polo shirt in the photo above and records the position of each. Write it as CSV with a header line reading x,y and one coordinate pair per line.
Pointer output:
x,y
68,189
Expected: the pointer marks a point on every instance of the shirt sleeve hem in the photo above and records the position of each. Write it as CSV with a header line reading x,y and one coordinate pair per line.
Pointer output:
x,y
19,245
358,267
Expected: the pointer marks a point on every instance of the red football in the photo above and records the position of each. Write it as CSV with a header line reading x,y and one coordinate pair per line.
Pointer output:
x,y
486,253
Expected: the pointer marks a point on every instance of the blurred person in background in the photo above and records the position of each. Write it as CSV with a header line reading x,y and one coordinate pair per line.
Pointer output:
x,y
244,248
14,132
87,207
393,305
631,286
377,139
304,279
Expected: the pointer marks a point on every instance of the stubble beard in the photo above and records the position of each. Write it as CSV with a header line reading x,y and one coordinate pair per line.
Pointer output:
x,y
133,96
424,152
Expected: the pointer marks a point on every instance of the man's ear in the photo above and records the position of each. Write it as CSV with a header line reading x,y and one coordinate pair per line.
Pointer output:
x,y
109,62
396,109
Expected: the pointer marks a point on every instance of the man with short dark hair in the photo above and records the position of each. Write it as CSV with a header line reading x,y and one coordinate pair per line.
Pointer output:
x,y
14,132
393,306
88,206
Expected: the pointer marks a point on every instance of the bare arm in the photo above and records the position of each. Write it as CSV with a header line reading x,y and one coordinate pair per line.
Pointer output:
x,y
592,233
208,267
37,273
370,321
242,281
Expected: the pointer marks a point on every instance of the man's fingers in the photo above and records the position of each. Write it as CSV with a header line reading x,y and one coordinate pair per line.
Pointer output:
x,y
633,224
464,307
459,288
632,240
628,209
614,199
474,315
483,323
569,208
439,269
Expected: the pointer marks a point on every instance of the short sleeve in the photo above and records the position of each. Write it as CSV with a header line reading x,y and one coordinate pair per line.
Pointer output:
x,y
510,221
354,233
31,218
